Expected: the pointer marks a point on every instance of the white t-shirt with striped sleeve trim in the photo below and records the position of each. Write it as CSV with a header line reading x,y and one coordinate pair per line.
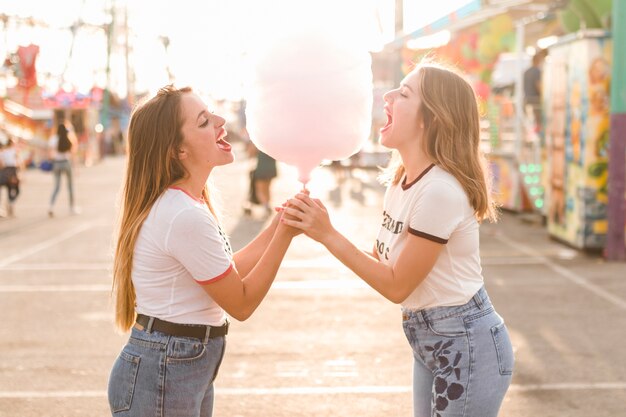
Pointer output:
x,y
434,207
180,248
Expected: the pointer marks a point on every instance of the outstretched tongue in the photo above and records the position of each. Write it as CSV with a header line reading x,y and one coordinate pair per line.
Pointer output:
x,y
223,145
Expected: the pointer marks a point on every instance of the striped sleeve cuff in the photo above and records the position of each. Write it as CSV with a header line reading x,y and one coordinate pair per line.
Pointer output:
x,y
428,237
217,278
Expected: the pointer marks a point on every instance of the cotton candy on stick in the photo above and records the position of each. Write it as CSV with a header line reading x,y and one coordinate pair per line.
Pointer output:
x,y
310,99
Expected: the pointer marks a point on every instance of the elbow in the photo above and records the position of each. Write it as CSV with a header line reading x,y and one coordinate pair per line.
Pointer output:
x,y
238,316
396,297
242,314
398,293
400,288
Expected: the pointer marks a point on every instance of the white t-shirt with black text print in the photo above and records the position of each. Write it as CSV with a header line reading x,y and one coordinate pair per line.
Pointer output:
x,y
434,207
180,247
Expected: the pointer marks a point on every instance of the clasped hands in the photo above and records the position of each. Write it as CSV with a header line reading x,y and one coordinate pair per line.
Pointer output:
x,y
307,215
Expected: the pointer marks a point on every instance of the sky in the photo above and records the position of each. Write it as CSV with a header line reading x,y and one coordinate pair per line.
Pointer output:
x,y
209,42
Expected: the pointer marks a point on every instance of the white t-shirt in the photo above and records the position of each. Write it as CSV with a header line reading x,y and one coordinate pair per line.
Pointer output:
x,y
8,157
180,247
434,207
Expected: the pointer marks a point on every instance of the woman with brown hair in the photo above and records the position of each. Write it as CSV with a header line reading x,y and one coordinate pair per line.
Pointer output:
x,y
175,276
62,149
426,257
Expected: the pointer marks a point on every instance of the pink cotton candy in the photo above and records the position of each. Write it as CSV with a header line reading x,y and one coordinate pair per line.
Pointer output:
x,y
310,99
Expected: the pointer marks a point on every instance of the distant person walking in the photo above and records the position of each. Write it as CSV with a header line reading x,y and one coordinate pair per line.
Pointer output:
x,y
532,89
61,148
261,178
9,174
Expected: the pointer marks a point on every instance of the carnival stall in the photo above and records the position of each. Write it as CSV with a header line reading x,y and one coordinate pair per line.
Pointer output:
x,y
576,106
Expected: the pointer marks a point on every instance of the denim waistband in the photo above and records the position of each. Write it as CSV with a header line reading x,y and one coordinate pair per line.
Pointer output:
x,y
480,301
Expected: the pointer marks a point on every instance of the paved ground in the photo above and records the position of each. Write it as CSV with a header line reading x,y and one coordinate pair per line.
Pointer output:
x,y
322,343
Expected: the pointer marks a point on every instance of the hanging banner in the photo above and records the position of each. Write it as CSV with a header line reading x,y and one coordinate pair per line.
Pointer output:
x,y
28,57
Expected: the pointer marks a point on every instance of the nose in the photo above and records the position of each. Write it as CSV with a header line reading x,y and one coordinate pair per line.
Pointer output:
x,y
219,121
388,96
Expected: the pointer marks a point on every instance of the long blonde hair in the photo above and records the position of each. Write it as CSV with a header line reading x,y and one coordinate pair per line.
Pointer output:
x,y
154,137
452,135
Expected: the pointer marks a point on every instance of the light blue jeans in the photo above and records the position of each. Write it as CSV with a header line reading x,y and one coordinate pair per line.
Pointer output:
x,y
161,375
463,359
59,168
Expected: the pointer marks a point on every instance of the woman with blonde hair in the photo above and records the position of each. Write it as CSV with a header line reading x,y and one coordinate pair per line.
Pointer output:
x,y
175,276
426,257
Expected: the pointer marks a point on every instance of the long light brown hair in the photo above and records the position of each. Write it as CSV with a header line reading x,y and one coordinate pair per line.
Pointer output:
x,y
452,135
154,137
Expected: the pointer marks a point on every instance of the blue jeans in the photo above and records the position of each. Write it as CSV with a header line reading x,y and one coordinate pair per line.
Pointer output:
x,y
161,375
463,359
58,168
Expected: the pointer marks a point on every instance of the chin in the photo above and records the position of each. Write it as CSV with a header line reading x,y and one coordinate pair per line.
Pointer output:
x,y
382,139
386,141
228,160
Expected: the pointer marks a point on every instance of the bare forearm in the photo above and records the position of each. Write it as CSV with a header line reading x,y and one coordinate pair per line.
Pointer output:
x,y
247,257
258,281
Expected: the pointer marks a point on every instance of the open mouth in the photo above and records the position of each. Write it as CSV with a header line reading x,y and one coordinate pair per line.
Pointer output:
x,y
389,121
222,144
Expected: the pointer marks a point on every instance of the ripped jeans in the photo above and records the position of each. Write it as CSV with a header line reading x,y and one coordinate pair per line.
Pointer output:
x,y
463,359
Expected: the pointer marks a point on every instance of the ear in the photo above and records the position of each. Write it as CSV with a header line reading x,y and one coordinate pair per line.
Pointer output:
x,y
181,154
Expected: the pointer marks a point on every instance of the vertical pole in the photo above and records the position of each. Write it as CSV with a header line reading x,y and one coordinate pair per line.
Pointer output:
x,y
398,32
615,247
106,99
130,90
519,90
166,46
399,17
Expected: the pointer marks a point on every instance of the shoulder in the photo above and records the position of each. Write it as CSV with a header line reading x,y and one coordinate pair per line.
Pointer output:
x,y
441,188
441,181
392,188
183,211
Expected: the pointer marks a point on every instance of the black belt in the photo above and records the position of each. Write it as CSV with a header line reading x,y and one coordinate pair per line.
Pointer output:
x,y
183,330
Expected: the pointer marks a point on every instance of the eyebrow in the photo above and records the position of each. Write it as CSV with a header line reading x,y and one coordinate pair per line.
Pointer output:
x,y
406,85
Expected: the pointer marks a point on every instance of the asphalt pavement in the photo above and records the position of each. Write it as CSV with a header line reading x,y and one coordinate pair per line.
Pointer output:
x,y
322,343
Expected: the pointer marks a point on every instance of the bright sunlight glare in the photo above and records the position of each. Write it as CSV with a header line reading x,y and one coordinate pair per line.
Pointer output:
x,y
206,44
